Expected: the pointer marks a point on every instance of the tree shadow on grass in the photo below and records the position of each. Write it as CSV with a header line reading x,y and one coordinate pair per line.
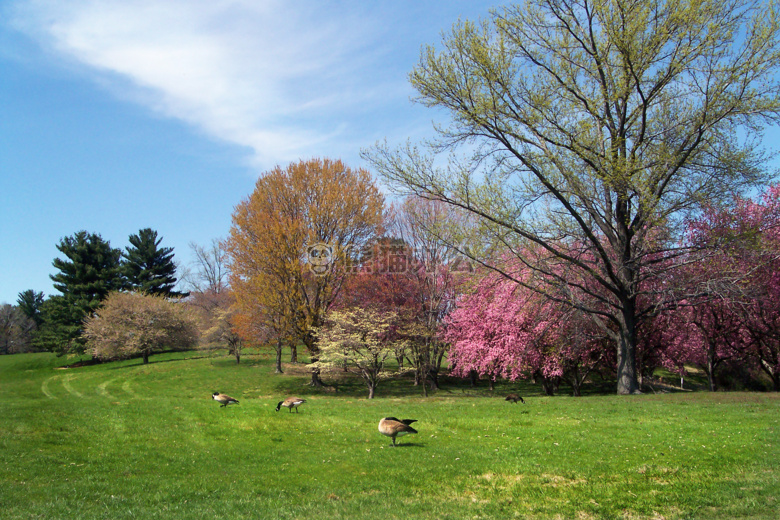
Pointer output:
x,y
153,362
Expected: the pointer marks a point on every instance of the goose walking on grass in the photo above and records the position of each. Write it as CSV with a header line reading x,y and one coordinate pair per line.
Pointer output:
x,y
392,427
223,399
290,403
514,398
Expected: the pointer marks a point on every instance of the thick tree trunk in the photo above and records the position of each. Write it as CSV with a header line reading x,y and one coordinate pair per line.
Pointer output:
x,y
550,385
628,380
293,353
146,357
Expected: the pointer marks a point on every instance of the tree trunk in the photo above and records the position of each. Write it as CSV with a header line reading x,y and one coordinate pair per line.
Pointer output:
x,y
315,375
549,385
146,357
773,374
433,377
474,376
575,381
628,381
371,389
293,353
311,347
278,369
711,374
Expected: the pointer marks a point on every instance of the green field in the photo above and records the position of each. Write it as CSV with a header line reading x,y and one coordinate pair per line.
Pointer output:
x,y
126,440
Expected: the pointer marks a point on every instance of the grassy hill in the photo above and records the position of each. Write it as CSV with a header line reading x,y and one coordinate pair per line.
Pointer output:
x,y
127,440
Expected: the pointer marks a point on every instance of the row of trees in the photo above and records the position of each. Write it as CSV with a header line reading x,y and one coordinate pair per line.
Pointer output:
x,y
406,294
88,271
315,241
585,139
725,318
590,153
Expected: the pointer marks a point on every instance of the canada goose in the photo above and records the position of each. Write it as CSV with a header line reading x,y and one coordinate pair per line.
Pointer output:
x,y
392,427
223,399
514,398
290,403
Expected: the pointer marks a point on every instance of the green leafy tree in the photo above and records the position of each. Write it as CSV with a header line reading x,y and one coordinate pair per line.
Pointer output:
x,y
132,324
593,129
148,267
89,271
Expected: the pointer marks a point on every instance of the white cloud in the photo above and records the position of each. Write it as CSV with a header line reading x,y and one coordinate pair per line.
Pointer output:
x,y
279,77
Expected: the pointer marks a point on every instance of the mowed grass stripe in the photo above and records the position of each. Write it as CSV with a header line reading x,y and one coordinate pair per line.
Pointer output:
x,y
172,452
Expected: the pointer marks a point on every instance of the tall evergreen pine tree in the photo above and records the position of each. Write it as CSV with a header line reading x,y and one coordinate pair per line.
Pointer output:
x,y
30,303
148,267
90,271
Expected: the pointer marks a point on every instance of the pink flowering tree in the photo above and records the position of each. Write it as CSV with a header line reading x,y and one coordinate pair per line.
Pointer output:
x,y
504,330
762,316
732,316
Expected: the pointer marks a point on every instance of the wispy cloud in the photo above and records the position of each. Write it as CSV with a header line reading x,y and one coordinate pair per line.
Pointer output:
x,y
283,78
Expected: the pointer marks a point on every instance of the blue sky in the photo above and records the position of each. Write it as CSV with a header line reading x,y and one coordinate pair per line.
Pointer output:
x,y
117,115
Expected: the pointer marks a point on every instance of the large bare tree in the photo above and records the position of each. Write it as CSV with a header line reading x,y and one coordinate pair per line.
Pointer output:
x,y
428,230
591,129
16,330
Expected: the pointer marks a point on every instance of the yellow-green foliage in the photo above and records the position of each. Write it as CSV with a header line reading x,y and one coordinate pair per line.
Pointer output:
x,y
358,337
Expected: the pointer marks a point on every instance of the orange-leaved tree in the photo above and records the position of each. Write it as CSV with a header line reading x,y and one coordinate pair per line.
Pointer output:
x,y
294,239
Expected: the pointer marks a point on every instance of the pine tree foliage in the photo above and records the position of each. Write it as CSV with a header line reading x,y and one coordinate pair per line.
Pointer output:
x,y
148,267
29,302
89,271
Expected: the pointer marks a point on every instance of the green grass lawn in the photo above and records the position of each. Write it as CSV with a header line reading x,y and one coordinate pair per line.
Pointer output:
x,y
127,440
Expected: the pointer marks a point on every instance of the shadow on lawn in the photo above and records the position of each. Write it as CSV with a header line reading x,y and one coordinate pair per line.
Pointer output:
x,y
297,378
153,361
